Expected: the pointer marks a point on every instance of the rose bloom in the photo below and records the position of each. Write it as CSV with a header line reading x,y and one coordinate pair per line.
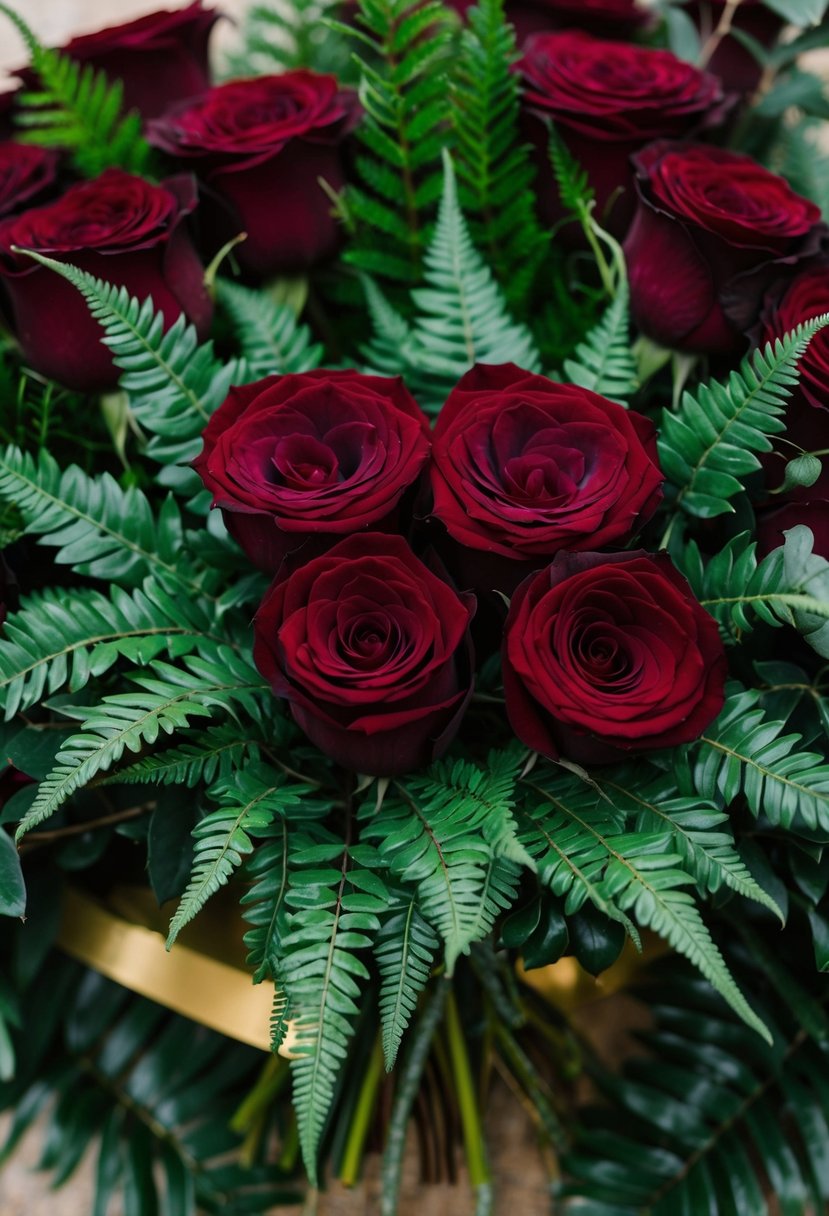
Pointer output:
x,y
806,297
259,147
121,229
607,100
732,61
712,227
523,467
160,58
302,460
608,653
371,649
27,174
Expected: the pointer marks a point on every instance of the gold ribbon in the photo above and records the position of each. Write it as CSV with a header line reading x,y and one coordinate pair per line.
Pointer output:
x,y
197,978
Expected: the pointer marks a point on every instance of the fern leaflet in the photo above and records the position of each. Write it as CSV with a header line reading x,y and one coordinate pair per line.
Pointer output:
x,y
271,338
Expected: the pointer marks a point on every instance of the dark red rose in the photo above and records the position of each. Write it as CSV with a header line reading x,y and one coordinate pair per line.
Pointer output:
x,y
160,58
311,458
259,147
712,228
121,229
772,524
732,61
523,467
607,100
806,297
27,173
608,653
371,650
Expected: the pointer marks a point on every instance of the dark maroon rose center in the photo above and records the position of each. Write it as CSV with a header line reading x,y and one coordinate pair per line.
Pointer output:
x,y
602,653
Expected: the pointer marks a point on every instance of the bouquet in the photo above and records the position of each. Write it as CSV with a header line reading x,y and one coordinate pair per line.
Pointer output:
x,y
415,522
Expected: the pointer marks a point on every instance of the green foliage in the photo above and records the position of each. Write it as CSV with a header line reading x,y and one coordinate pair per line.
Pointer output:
x,y
12,886
405,951
63,638
462,318
271,338
711,1115
403,89
802,162
709,444
214,753
77,108
495,172
250,800
744,752
215,679
274,40
603,362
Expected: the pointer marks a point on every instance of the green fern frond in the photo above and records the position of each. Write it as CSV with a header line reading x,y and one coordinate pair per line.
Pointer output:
x,y
604,362
98,529
271,337
250,800
173,383
63,638
164,703
495,172
405,952
272,40
75,107
743,752
218,751
709,444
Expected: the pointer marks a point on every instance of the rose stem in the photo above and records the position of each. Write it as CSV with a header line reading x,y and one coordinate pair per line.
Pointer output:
x,y
353,1152
473,1137
722,31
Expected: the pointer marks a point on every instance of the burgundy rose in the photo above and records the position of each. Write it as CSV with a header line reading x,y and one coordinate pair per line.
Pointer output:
x,y
771,525
806,297
311,458
121,229
712,228
607,100
732,61
523,467
260,148
610,653
371,650
160,58
27,173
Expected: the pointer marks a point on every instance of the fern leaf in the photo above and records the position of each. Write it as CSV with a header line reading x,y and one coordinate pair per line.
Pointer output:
x,y
218,751
250,800
64,638
271,338
604,362
76,108
711,441
275,41
405,952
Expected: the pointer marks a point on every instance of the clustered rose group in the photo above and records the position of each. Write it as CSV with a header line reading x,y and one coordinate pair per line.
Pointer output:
x,y
381,532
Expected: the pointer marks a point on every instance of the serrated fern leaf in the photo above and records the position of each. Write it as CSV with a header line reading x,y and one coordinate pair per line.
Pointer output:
x,y
76,108
99,529
744,752
711,441
273,40
405,951
63,638
173,382
217,751
250,800
271,338
495,172
604,362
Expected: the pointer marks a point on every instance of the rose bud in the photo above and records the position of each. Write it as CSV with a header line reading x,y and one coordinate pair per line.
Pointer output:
x,y
119,228
732,61
27,174
303,460
607,100
160,58
805,297
712,229
771,525
260,148
371,649
523,467
609,653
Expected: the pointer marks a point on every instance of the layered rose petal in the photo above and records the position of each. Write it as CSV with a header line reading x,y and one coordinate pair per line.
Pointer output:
x,y
291,459
806,297
371,649
609,653
27,173
712,229
523,467
121,229
260,147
